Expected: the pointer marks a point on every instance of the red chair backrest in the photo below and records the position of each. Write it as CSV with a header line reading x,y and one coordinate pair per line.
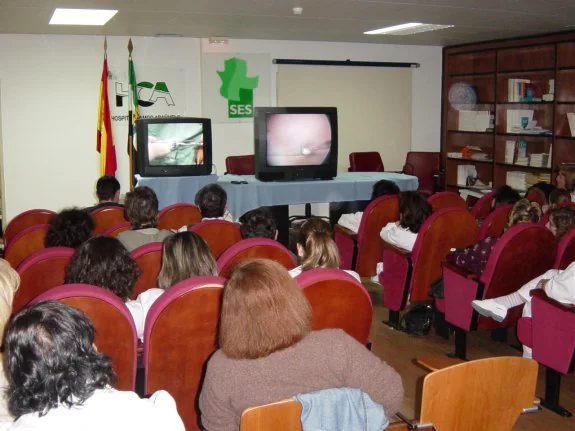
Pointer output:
x,y
25,220
494,224
180,335
446,200
113,323
178,215
115,230
149,260
424,165
25,243
338,300
219,234
368,161
241,165
565,251
41,272
482,207
107,217
255,248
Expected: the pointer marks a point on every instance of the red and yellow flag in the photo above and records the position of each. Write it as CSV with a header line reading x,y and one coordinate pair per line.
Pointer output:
x,y
105,142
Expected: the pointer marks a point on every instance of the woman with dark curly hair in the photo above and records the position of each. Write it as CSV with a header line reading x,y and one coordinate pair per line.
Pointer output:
x,y
69,228
59,381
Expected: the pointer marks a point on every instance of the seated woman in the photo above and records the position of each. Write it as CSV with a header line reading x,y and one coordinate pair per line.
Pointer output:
x,y
380,188
69,228
141,210
475,258
269,353
184,255
565,179
316,248
59,381
413,211
561,220
558,198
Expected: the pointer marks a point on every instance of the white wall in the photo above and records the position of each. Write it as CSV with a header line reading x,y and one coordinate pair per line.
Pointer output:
x,y
49,98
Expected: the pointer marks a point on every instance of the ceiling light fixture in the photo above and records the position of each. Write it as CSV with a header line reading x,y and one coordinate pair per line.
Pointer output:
x,y
81,16
408,28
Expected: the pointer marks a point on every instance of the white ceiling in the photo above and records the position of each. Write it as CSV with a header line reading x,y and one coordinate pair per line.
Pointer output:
x,y
322,20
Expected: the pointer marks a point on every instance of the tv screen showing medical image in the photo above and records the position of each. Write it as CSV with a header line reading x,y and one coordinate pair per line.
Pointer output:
x,y
175,144
298,139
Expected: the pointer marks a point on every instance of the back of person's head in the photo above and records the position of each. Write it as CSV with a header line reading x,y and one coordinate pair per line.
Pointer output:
x,y
141,208
50,359
69,228
413,211
524,211
108,189
9,284
561,220
104,262
212,200
540,193
504,195
185,255
559,198
316,247
384,187
263,311
258,223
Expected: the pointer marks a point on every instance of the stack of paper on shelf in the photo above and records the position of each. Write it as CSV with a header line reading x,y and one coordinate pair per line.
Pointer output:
x,y
516,180
523,161
474,121
539,160
532,179
509,151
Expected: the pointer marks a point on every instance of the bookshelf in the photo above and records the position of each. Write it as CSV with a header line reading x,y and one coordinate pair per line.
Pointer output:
x,y
507,80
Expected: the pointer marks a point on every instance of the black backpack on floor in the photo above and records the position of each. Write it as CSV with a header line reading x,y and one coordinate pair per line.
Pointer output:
x,y
417,320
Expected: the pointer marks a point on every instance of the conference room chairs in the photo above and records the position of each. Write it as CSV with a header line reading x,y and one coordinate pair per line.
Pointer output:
x,y
113,324
180,335
255,248
106,217
25,243
116,229
482,207
281,416
367,161
550,332
337,300
446,200
565,251
24,220
219,234
494,224
524,252
425,166
362,251
408,276
40,272
177,215
241,165
148,257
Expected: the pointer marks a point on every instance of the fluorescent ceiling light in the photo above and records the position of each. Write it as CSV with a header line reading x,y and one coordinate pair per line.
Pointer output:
x,y
81,16
408,28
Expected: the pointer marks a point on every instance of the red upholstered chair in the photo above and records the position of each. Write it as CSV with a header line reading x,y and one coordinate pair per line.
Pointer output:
x,y
255,248
362,251
40,272
24,220
219,234
115,330
550,332
149,260
565,250
106,217
115,230
425,166
524,252
408,276
241,165
482,207
494,224
178,215
338,300
25,243
180,335
368,161
446,200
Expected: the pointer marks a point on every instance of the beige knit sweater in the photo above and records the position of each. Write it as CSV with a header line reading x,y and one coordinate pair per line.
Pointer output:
x,y
324,359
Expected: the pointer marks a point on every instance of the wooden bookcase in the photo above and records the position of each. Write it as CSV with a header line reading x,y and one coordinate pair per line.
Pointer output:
x,y
476,77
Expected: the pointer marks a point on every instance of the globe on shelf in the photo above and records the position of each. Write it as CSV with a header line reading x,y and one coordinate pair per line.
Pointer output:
x,y
462,97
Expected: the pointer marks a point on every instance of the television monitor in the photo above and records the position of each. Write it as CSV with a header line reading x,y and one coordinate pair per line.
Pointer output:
x,y
176,146
295,143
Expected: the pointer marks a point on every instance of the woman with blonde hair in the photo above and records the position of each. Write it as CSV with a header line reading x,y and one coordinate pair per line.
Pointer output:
x,y
268,351
316,248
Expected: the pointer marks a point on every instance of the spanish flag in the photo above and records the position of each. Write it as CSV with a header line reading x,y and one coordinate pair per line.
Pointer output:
x,y
105,142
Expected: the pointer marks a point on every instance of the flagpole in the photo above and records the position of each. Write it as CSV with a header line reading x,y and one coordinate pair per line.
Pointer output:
x,y
130,124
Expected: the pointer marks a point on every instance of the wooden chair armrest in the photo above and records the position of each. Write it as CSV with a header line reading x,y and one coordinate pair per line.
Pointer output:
x,y
459,270
540,293
387,246
345,231
437,362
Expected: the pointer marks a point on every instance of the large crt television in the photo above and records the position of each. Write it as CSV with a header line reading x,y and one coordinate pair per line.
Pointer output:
x,y
295,143
176,146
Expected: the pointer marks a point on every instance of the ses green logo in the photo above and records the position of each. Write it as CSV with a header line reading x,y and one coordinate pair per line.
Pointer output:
x,y
238,88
